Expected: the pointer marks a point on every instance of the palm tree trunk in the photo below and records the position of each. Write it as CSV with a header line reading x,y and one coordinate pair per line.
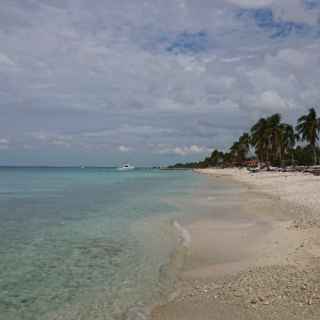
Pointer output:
x,y
281,153
267,158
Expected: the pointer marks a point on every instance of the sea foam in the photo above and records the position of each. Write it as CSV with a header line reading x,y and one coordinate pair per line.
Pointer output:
x,y
184,234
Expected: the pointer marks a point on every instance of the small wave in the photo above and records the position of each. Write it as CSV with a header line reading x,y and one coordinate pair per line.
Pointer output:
x,y
138,313
184,235
168,273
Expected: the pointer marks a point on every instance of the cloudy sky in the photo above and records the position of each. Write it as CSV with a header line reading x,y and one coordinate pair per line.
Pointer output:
x,y
100,82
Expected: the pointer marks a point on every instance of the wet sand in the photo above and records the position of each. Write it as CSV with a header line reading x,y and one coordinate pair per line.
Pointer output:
x,y
250,258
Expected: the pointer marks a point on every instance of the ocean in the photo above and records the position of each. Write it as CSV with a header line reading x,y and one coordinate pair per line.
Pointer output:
x,y
91,243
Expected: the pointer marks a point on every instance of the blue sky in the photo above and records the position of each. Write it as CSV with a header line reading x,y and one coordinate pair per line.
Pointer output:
x,y
150,82
189,43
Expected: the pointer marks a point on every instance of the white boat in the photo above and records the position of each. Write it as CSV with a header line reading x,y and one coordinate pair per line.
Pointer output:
x,y
125,167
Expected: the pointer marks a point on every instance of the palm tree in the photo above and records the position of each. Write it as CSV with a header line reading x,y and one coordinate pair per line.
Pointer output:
x,y
240,148
308,130
260,139
235,151
287,141
273,131
272,139
244,142
216,158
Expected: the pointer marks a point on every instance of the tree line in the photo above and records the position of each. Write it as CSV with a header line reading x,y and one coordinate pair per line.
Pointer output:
x,y
271,142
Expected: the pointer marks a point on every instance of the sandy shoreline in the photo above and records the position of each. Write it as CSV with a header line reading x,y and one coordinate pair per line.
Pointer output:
x,y
262,265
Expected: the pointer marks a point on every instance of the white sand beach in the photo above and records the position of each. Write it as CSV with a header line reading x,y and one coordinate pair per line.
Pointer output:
x,y
301,190
264,267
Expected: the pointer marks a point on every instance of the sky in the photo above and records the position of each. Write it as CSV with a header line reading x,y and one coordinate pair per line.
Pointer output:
x,y
150,82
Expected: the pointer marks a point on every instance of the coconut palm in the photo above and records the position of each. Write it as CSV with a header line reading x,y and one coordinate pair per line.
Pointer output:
x,y
216,158
308,130
274,131
240,148
244,142
235,151
271,138
260,139
287,141
244,146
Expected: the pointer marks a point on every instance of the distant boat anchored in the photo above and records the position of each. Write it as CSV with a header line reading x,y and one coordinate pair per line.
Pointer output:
x,y
126,167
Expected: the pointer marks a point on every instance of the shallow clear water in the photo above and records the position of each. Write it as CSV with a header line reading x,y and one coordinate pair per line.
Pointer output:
x,y
85,243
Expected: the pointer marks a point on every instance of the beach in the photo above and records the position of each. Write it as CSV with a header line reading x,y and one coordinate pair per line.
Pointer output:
x,y
255,258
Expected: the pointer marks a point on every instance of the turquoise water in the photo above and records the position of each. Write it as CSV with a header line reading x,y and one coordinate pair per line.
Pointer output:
x,y
85,243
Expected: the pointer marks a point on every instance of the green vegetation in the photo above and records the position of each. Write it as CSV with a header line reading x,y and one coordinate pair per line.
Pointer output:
x,y
308,129
270,142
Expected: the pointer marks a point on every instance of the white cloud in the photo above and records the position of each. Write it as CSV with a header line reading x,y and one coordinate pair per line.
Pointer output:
x,y
4,141
62,143
103,77
28,147
5,60
271,101
251,3
50,138
40,135
192,64
182,151
124,149
233,59
289,57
